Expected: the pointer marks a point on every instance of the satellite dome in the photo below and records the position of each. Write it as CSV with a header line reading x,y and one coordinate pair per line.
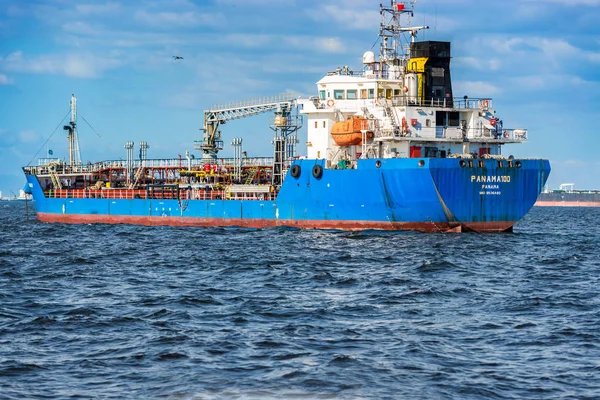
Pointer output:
x,y
368,57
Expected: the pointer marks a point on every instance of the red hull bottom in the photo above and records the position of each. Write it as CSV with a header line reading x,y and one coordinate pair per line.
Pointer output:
x,y
268,223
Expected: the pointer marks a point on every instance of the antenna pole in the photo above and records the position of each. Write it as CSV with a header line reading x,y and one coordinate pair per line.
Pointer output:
x,y
74,151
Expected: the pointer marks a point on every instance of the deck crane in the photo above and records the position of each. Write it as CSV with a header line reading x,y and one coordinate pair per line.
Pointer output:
x,y
285,124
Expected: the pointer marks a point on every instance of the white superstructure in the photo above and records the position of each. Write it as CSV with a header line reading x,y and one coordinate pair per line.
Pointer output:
x,y
404,102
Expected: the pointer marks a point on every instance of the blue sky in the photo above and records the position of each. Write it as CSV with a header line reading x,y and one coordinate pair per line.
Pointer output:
x,y
538,59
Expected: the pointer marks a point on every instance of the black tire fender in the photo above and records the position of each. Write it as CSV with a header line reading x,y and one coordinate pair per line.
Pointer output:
x,y
317,171
296,171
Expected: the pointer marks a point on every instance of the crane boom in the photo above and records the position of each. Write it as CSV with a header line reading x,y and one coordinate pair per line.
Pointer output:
x,y
220,113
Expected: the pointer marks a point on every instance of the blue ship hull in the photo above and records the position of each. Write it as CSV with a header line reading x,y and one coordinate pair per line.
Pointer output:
x,y
432,195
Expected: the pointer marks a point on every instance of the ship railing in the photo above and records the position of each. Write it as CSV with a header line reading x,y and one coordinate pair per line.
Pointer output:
x,y
455,103
196,164
404,101
454,133
258,192
258,101
181,163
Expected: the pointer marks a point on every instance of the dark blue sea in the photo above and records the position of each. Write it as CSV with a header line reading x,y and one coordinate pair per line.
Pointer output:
x,y
129,312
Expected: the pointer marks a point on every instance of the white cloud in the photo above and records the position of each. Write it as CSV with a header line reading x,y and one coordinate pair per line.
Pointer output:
x,y
93,9
570,3
287,3
250,40
551,82
82,28
475,89
75,65
29,137
477,63
4,80
177,19
350,17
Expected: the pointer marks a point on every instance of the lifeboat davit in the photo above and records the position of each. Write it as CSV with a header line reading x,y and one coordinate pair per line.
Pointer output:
x,y
349,132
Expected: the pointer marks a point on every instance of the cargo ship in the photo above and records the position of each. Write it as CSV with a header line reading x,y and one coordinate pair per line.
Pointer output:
x,y
568,196
388,148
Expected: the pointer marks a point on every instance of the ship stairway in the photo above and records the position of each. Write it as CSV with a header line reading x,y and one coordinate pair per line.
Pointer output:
x,y
251,175
137,176
392,116
55,180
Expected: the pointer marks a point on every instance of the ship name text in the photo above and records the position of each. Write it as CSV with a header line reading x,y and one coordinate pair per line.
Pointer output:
x,y
490,179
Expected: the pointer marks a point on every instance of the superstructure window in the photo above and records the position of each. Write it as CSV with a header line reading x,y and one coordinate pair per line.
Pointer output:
x,y
380,93
351,94
371,93
322,95
363,93
453,118
338,94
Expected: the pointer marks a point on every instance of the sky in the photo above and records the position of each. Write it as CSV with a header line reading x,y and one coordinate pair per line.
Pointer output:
x,y
538,59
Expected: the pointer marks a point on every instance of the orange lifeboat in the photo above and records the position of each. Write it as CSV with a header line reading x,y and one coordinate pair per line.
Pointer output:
x,y
348,132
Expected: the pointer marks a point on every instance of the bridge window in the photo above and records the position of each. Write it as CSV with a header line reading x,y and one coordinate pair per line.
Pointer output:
x,y
351,94
322,95
371,93
388,94
363,93
338,94
380,93
316,124
453,118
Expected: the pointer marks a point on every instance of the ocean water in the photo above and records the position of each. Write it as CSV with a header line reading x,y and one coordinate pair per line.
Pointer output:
x,y
95,311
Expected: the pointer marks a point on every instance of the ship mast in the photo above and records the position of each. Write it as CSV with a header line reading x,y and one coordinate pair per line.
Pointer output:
x,y
391,29
74,151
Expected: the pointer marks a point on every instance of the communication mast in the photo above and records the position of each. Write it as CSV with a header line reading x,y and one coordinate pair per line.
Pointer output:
x,y
74,151
390,32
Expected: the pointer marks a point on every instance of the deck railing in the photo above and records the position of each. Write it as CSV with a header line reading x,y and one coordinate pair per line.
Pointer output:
x,y
182,194
168,163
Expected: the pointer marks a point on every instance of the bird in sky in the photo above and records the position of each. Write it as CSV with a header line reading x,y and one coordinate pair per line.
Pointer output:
x,y
177,58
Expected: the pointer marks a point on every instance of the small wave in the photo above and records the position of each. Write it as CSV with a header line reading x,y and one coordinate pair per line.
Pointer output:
x,y
342,359
525,325
171,356
290,356
44,320
16,368
12,273
82,311
294,374
199,301
435,266
171,339
346,282
79,261
269,344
